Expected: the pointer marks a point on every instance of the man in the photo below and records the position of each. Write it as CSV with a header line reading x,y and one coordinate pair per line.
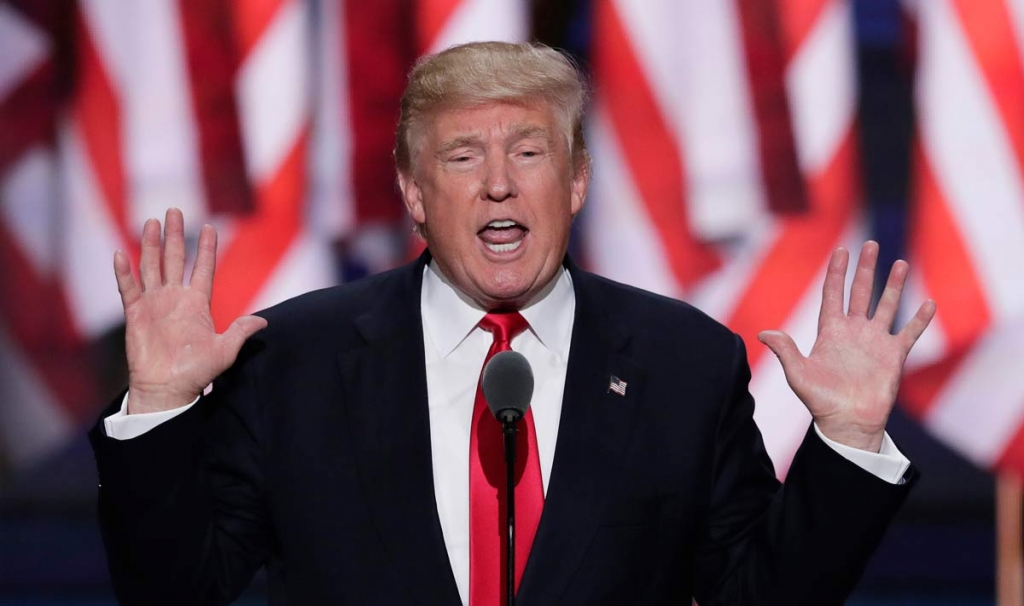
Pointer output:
x,y
343,446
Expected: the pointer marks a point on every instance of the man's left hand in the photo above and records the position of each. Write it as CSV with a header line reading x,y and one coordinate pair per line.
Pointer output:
x,y
850,379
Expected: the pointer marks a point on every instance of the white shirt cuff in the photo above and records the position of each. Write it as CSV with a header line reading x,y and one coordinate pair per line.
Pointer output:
x,y
888,464
123,426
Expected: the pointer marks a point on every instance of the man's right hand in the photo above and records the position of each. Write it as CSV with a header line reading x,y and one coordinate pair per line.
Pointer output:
x,y
173,348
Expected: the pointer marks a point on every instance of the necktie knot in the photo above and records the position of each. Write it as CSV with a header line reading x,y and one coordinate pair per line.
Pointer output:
x,y
504,327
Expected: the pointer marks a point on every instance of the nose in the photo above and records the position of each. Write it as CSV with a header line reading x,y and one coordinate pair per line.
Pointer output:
x,y
498,185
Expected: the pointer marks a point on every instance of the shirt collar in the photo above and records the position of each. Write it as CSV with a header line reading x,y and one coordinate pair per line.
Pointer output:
x,y
450,316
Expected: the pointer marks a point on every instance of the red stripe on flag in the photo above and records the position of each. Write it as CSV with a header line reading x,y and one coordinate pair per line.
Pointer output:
x,y
37,316
764,50
251,18
212,60
989,29
940,255
653,157
801,249
96,112
378,56
798,20
431,17
920,389
27,115
260,241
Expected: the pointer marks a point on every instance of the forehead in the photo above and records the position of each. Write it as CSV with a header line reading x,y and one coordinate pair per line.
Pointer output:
x,y
499,119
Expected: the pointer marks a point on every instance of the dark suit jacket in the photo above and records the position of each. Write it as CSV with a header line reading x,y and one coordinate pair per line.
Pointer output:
x,y
312,457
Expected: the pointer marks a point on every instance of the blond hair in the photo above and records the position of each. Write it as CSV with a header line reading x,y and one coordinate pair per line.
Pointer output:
x,y
487,72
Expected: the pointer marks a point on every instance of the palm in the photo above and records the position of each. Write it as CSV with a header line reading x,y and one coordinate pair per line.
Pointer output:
x,y
849,380
173,349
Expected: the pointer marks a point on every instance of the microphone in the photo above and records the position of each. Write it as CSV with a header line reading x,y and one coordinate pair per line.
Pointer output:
x,y
508,386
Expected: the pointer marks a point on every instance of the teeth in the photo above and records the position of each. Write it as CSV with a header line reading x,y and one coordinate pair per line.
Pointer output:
x,y
500,224
500,248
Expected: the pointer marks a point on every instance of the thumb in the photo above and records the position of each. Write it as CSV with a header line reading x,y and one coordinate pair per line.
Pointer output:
x,y
239,331
782,346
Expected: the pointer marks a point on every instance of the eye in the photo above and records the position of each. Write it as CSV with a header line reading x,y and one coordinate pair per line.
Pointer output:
x,y
461,159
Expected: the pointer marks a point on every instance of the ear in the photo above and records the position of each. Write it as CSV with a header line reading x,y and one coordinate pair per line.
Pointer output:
x,y
580,182
412,196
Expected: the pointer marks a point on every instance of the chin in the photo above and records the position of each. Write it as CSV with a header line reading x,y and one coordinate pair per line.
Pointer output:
x,y
510,294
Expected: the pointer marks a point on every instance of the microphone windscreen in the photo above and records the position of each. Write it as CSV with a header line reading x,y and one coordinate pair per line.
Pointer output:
x,y
508,385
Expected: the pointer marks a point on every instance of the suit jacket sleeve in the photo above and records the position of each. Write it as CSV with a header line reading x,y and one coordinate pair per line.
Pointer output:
x,y
180,506
805,542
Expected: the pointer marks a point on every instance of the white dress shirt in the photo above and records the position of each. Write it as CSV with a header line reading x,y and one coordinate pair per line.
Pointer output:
x,y
455,349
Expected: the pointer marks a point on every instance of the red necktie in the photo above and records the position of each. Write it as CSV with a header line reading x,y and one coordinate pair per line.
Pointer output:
x,y
488,536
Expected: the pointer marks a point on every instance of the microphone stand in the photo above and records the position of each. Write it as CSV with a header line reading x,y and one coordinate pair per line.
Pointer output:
x,y
509,429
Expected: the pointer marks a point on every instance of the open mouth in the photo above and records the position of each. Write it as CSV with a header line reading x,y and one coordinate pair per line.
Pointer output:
x,y
502,236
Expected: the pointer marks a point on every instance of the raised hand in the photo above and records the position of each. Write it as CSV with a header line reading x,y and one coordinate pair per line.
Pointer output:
x,y
173,349
850,379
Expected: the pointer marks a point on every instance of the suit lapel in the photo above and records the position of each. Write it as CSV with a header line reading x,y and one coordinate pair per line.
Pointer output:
x,y
386,400
594,430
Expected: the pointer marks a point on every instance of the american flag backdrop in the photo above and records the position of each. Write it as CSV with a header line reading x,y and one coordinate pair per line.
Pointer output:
x,y
967,228
725,147
271,119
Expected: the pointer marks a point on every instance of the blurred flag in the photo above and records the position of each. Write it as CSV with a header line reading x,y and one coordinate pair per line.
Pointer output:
x,y
967,228
44,374
109,114
725,167
363,52
275,251
272,119
444,23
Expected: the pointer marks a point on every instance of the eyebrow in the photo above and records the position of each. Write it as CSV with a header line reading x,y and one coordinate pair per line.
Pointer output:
x,y
457,142
529,131
518,132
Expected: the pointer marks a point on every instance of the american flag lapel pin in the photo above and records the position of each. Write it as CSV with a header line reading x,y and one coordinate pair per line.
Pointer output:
x,y
617,385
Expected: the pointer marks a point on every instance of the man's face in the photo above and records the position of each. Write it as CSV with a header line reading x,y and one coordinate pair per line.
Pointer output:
x,y
493,189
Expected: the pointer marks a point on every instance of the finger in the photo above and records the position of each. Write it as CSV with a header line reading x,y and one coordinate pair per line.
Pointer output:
x,y
889,302
149,262
174,247
915,327
832,290
783,347
126,283
235,336
206,261
863,280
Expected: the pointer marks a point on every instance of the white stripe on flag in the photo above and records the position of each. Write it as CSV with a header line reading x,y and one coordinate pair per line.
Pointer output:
x,y
161,154
88,242
1016,8
332,209
22,46
273,91
621,242
32,423
707,105
307,265
981,407
28,207
821,84
957,114
474,20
